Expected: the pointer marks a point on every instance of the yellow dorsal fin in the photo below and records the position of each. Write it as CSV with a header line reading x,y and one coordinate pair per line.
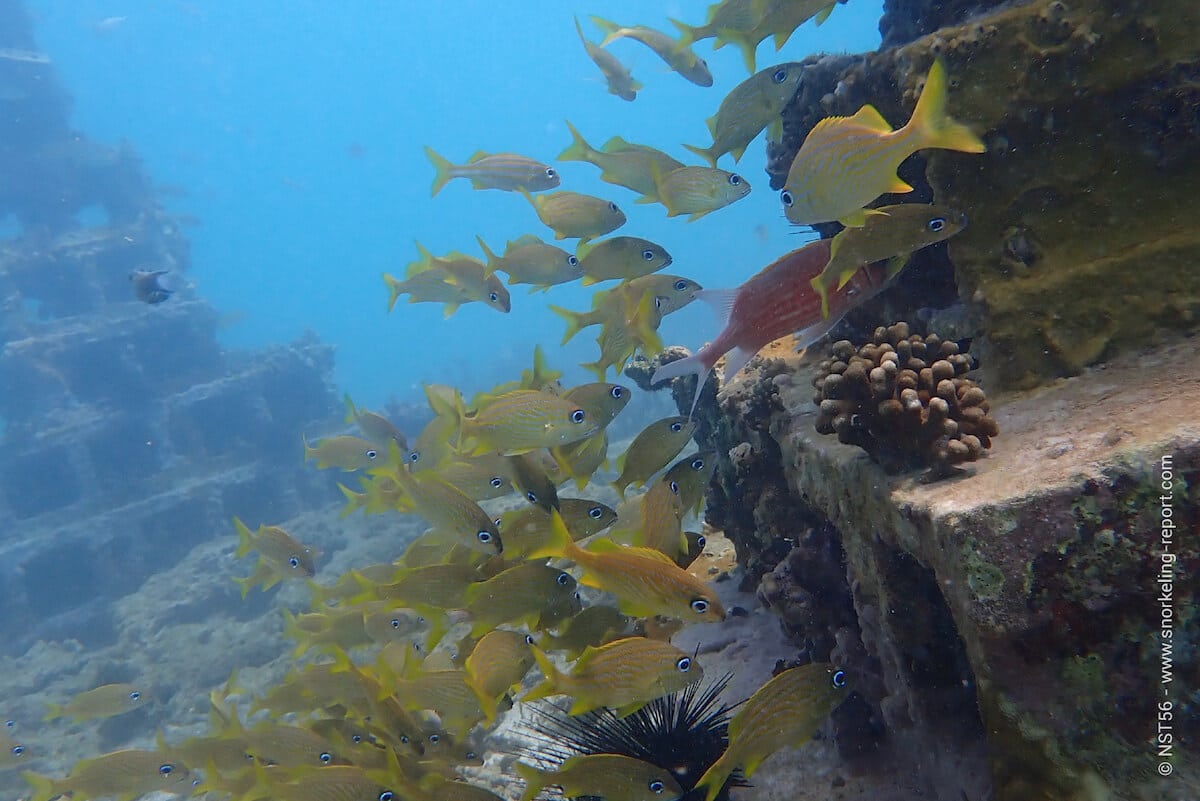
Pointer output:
x,y
869,117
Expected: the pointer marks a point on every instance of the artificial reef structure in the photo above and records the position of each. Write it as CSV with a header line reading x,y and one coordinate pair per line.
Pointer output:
x,y
1006,624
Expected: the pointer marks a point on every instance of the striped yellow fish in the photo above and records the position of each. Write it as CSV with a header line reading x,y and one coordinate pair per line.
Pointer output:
x,y
529,260
777,19
724,18
783,713
521,421
447,508
573,215
610,306
651,450
697,191
620,162
692,474
102,702
613,777
507,171
621,258
120,774
497,663
847,162
620,82
678,56
754,104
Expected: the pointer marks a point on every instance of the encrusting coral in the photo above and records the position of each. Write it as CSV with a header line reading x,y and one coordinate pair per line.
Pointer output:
x,y
903,398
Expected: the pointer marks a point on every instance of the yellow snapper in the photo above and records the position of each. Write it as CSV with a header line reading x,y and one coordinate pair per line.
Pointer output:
x,y
580,460
123,774
482,477
336,627
754,104
286,746
624,674
374,426
445,788
594,626
339,783
723,18
893,232
517,596
616,74
695,546
677,55
432,287
783,713
528,529
446,692
529,260
660,519
105,701
448,508
645,581
697,191
345,452
575,215
521,421
651,450
621,258
529,477
602,400
12,752
506,171
847,162
613,777
276,548
432,446
438,586
466,272
692,474
497,663
610,305
636,328
620,162
389,624
776,19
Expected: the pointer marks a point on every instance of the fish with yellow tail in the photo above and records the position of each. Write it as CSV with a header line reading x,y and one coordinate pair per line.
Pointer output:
x,y
693,474
620,258
102,702
651,450
374,426
754,104
625,674
847,162
771,19
622,163
725,17
120,774
506,171
620,82
613,777
529,260
777,301
783,713
895,233
520,421
697,191
573,215
646,582
678,56
611,306
280,556
497,663
346,452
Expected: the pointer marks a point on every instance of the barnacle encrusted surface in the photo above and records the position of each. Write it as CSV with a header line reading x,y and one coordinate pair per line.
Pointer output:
x,y
905,400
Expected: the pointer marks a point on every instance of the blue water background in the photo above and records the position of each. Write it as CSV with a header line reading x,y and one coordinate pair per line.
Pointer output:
x,y
297,130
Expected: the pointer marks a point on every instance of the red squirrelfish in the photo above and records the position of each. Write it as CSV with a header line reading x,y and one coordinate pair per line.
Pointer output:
x,y
779,300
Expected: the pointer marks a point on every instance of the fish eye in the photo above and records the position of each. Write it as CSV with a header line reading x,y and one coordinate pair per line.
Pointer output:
x,y
578,597
472,755
531,497
372,454
674,487
529,639
779,75
937,224
701,541
493,297
572,260
839,679
294,562
696,464
658,301
386,795
680,285
563,579
735,179
357,738
8,724
578,416
496,482
613,207
135,695
497,522
595,512
18,750
404,739
414,456
657,787
435,738
786,197
166,769
395,622
484,536
550,173
676,426
325,757
700,606
648,254
617,392
684,664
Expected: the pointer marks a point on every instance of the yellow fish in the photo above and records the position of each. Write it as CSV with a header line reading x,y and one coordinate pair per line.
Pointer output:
x,y
280,556
439,586
529,477
613,777
602,400
594,626
574,215
432,287
482,478
528,529
697,191
651,450
645,581
847,162
345,452
610,305
338,783
105,701
448,508
695,546
497,663
529,260
621,258
783,713
374,426
506,171
722,18
12,752
754,104
777,19
517,596
692,474
620,162
580,460
521,421
660,525
893,232
616,74
625,674
635,329
121,774
678,56
338,627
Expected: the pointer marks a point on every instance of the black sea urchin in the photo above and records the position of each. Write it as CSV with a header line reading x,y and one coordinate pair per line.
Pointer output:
x,y
684,732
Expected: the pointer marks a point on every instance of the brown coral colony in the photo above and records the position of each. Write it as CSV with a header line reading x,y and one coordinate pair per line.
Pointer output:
x,y
904,399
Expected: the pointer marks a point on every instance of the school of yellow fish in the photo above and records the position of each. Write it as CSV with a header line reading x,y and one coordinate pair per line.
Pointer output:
x,y
402,667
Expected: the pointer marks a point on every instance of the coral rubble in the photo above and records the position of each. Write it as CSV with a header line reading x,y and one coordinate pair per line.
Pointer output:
x,y
905,400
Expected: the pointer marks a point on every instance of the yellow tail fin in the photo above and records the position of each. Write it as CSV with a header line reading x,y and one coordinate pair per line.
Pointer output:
x,y
931,127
